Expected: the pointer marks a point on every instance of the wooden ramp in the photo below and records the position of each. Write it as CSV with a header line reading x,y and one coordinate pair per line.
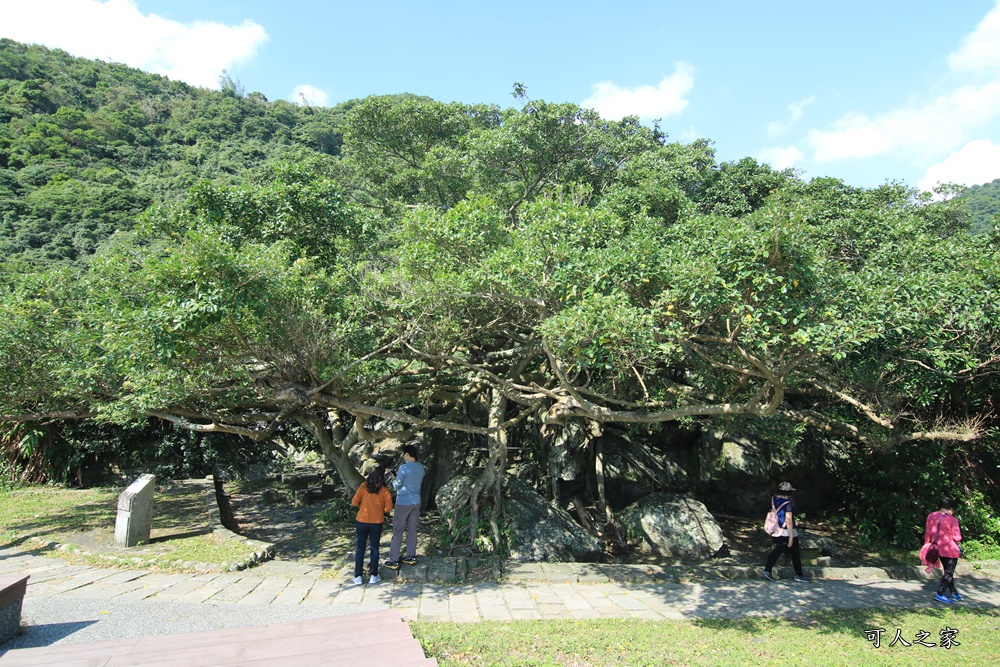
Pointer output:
x,y
372,638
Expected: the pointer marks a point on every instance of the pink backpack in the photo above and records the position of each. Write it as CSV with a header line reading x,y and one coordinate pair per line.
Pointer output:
x,y
771,525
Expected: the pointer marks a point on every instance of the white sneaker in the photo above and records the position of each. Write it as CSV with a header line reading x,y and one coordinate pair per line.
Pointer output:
x,y
375,579
357,581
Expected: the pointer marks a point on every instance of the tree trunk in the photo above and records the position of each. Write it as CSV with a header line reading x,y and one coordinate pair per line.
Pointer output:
x,y
602,499
491,479
335,452
614,536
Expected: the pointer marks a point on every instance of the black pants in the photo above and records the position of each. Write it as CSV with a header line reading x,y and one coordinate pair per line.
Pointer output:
x,y
948,578
780,547
371,533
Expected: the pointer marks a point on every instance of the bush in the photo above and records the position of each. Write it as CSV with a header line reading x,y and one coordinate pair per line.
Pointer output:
x,y
889,493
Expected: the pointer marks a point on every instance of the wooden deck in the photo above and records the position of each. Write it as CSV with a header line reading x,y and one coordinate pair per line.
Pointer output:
x,y
372,638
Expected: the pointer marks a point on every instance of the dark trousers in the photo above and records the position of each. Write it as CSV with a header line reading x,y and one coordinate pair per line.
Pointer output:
x,y
780,547
371,533
948,578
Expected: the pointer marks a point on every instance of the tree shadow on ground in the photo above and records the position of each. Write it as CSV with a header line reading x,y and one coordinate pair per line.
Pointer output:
x,y
752,600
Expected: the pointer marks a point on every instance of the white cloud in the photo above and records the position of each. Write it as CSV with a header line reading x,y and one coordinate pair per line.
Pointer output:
x,y
309,96
931,128
665,99
980,50
117,31
927,128
780,157
795,112
975,163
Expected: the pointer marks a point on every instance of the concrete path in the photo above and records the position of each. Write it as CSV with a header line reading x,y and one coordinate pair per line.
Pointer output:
x,y
555,591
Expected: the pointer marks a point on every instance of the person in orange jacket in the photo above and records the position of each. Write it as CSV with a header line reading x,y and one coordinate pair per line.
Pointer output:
x,y
373,500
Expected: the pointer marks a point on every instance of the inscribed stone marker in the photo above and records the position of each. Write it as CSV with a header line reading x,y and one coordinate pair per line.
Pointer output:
x,y
135,512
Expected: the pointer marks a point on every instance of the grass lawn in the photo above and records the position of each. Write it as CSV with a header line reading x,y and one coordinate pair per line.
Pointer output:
x,y
48,511
84,519
823,638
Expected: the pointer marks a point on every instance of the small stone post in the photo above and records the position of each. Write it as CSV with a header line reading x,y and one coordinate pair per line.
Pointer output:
x,y
135,512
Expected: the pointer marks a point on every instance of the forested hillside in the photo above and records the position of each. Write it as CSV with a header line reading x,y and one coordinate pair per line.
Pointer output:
x,y
86,145
983,203
534,279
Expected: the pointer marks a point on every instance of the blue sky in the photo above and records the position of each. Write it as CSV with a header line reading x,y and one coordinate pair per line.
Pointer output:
x,y
864,91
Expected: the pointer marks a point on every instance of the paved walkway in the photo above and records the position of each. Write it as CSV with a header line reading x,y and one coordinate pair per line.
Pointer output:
x,y
560,593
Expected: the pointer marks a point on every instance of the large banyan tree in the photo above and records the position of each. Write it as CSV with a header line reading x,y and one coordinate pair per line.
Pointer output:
x,y
475,269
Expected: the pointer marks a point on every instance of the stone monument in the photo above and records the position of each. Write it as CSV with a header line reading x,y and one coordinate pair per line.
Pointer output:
x,y
135,512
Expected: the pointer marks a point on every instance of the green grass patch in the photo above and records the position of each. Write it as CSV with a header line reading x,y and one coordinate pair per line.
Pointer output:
x,y
822,638
208,549
49,511
167,556
84,521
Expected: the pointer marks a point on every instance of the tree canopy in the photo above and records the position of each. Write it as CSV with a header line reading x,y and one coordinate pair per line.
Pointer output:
x,y
471,268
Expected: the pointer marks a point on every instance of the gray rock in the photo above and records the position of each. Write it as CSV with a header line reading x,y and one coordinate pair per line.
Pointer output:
x,y
634,468
673,526
541,532
538,532
827,546
737,472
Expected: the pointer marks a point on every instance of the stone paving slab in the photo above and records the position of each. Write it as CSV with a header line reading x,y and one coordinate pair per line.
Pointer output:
x,y
533,591
323,592
267,592
140,593
295,592
121,577
237,590
103,591
205,593
39,576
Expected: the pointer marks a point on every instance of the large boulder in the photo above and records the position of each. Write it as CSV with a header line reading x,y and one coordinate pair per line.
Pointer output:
x,y
636,467
541,532
674,526
447,497
826,546
735,472
738,472
538,531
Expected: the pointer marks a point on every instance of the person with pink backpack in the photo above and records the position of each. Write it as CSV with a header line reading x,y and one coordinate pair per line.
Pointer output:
x,y
786,537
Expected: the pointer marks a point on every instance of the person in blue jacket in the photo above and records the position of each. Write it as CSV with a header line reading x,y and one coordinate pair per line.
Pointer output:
x,y
407,484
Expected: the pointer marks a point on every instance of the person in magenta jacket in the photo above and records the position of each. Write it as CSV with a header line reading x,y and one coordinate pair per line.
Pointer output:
x,y
941,528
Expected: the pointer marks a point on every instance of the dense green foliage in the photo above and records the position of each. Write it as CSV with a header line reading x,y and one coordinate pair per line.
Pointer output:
x,y
983,202
86,145
477,269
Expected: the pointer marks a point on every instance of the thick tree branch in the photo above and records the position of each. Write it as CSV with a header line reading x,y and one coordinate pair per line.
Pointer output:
x,y
850,400
183,422
55,414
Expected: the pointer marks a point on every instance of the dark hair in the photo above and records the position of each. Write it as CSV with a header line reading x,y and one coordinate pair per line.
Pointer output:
x,y
949,504
411,450
376,479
